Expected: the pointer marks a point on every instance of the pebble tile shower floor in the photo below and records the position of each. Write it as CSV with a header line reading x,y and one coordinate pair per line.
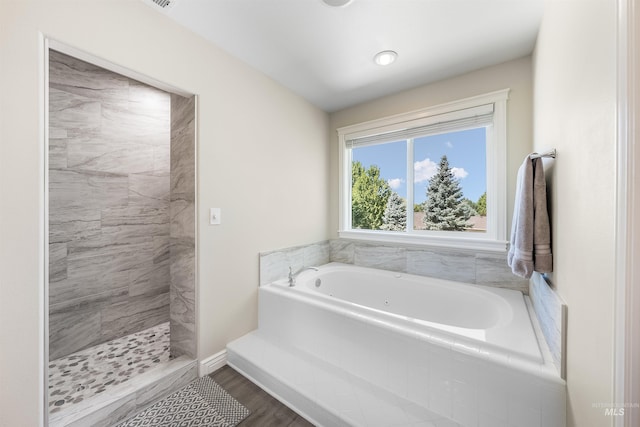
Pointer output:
x,y
89,372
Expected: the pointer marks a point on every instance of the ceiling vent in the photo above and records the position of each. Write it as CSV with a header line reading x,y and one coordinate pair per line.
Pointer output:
x,y
163,4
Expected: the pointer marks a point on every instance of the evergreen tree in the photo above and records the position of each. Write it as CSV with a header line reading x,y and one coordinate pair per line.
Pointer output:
x,y
395,215
470,206
444,209
369,196
482,204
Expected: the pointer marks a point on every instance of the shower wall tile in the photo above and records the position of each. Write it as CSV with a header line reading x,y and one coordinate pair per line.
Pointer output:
x,y
134,125
71,230
77,114
133,233
87,80
149,190
57,261
108,203
115,156
182,298
78,329
137,313
161,160
182,227
182,218
153,219
86,189
56,133
144,280
182,149
182,274
57,153
72,223
161,251
150,102
89,289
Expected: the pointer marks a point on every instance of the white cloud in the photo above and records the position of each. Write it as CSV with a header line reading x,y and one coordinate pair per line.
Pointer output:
x,y
449,144
459,173
424,169
395,183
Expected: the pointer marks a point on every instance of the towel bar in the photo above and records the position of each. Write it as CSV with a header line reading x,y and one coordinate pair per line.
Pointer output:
x,y
550,153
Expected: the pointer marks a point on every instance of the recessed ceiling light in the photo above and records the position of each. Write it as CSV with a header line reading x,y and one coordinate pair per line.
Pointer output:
x,y
385,57
337,3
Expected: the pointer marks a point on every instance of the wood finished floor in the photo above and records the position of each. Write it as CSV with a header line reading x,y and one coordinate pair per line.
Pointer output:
x,y
266,411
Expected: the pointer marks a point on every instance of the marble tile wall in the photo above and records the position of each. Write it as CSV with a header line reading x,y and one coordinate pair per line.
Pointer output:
x,y
479,268
275,265
551,313
182,227
109,201
463,266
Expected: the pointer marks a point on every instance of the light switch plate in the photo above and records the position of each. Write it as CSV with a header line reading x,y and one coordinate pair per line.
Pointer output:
x,y
214,216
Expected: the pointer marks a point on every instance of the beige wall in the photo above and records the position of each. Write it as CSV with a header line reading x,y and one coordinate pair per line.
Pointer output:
x,y
575,112
515,75
263,159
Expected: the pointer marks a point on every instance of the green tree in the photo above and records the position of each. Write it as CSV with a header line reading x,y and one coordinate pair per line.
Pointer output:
x,y
482,204
395,215
369,196
444,209
471,206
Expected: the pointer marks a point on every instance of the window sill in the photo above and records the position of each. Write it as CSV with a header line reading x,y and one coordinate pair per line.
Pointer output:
x,y
468,243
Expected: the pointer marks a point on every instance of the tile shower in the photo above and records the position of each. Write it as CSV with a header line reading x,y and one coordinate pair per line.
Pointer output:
x,y
121,229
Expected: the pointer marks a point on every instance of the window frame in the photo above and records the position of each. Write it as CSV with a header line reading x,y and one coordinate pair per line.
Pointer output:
x,y
495,238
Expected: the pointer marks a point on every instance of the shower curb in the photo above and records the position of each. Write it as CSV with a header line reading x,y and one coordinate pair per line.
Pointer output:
x,y
130,397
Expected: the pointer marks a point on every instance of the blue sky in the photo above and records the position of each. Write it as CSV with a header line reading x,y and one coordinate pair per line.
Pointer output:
x,y
465,151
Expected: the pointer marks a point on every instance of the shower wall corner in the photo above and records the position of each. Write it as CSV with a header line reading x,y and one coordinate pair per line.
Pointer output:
x,y
182,227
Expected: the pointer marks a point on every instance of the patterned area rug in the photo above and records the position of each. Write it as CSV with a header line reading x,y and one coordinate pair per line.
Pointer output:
x,y
203,403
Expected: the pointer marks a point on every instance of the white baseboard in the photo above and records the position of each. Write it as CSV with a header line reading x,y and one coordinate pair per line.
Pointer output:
x,y
213,363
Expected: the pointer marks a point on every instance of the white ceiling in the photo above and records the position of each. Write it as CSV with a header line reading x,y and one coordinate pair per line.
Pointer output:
x,y
325,54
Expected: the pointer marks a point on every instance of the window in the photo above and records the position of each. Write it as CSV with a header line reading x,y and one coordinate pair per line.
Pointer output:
x,y
435,176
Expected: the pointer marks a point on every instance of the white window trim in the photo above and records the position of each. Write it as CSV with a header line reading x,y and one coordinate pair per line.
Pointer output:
x,y
496,240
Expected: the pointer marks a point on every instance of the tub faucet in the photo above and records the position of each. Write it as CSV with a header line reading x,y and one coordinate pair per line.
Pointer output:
x,y
292,275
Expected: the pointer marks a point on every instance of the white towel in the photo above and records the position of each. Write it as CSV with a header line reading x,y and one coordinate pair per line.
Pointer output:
x,y
530,247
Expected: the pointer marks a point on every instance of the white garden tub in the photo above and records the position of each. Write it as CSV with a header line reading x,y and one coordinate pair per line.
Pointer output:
x,y
467,352
493,319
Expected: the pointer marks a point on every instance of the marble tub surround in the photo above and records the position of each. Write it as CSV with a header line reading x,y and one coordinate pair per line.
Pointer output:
x,y
275,265
479,268
79,376
475,267
551,312
181,245
109,196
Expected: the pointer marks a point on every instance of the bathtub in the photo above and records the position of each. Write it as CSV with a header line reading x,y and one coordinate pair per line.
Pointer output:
x,y
467,353
472,316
